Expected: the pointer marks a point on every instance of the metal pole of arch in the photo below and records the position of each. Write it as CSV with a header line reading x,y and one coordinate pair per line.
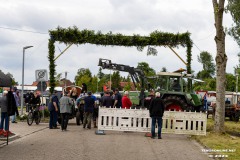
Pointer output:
x,y
63,51
177,55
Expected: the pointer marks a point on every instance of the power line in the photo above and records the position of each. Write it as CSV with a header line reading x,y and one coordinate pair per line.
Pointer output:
x,y
197,47
21,30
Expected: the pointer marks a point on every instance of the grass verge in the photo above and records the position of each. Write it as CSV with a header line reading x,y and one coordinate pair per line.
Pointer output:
x,y
222,146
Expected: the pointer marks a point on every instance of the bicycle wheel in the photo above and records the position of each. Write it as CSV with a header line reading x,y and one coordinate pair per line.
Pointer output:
x,y
37,117
30,118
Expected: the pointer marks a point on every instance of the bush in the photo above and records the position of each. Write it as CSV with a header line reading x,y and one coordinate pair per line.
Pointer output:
x,y
46,113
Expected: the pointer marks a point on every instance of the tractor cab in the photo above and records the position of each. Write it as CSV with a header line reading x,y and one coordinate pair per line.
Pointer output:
x,y
171,82
174,92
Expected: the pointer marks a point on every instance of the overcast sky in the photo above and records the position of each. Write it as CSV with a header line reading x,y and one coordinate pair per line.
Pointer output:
x,y
119,16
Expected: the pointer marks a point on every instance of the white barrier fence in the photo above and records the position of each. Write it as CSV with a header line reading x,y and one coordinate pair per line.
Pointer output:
x,y
138,120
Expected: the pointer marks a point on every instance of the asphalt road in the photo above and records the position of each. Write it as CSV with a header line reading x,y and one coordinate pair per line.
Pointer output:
x,y
38,142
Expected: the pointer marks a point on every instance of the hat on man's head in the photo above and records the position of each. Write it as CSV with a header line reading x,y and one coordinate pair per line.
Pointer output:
x,y
126,92
5,92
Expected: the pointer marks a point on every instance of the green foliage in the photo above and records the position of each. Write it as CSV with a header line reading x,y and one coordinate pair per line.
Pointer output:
x,y
116,79
52,65
156,38
208,66
164,69
14,83
233,7
92,86
100,73
230,82
82,72
84,75
209,85
46,113
128,86
148,71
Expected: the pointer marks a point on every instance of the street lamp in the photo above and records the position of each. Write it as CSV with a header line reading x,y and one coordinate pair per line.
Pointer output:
x,y
236,74
237,82
24,48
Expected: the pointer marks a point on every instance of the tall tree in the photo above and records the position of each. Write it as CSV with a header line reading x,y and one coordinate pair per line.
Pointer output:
x,y
116,79
128,86
148,71
13,80
84,75
164,69
208,66
221,61
100,73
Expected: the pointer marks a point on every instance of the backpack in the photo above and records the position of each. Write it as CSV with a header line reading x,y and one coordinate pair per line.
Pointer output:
x,y
50,104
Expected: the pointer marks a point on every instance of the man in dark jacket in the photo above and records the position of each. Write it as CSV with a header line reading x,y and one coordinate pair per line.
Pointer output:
x,y
117,99
156,111
54,112
88,110
107,100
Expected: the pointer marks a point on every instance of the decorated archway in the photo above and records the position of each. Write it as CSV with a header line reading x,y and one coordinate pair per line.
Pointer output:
x,y
73,35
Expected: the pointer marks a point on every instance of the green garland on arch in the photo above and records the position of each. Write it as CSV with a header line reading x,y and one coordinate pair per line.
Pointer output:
x,y
75,36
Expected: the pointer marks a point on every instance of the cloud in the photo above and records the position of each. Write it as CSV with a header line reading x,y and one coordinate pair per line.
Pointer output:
x,y
127,17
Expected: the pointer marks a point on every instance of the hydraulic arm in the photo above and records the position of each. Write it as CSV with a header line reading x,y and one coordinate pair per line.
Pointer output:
x,y
137,75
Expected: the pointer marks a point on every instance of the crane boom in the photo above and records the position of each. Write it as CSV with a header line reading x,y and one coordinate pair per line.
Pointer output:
x,y
137,75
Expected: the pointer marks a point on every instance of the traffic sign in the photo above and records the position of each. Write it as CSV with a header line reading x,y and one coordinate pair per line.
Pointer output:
x,y
41,75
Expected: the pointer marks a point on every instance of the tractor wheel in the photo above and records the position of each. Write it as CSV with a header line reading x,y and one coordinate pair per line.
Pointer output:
x,y
175,103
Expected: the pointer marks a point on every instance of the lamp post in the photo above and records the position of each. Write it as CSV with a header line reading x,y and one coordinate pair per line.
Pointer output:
x,y
237,82
65,81
24,48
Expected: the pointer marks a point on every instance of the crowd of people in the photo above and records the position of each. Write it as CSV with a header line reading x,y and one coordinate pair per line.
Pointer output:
x,y
9,103
65,105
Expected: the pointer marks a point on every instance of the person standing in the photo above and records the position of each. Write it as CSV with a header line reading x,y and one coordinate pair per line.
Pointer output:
x,y
54,111
149,99
117,99
126,103
65,109
17,100
156,111
88,110
107,100
84,88
74,93
95,110
4,115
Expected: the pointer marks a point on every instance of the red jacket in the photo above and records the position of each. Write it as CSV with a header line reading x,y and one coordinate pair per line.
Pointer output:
x,y
126,103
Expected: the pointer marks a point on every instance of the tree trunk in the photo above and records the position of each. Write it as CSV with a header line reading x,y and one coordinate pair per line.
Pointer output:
x,y
221,61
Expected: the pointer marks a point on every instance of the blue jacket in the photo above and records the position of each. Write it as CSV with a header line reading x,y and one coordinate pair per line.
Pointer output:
x,y
89,104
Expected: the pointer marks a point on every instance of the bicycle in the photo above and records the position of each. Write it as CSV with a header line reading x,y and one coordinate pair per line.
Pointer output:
x,y
33,114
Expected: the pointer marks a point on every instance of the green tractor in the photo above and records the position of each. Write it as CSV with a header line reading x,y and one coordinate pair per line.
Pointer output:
x,y
172,87
174,91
